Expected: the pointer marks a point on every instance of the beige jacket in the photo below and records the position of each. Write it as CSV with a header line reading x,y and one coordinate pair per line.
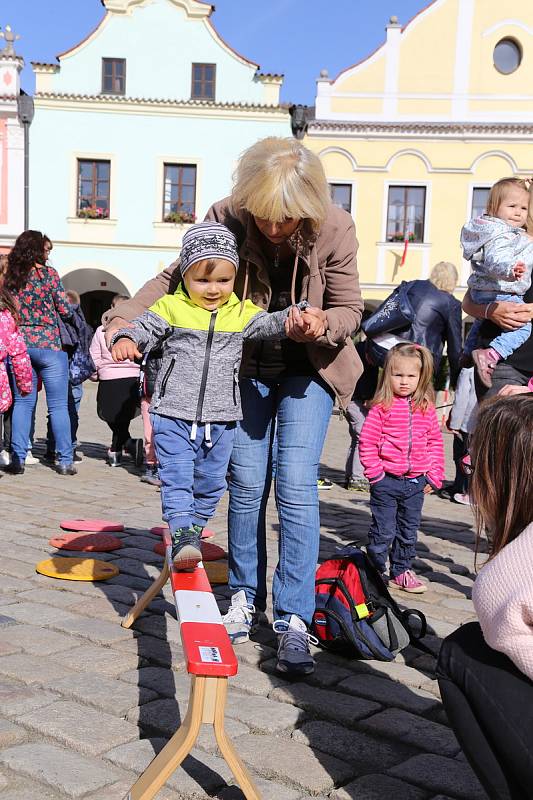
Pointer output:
x,y
330,281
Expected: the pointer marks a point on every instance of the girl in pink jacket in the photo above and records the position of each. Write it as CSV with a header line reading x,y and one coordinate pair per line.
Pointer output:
x,y
12,345
402,452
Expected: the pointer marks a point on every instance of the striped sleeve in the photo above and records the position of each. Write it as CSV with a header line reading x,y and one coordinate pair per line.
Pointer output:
x,y
369,445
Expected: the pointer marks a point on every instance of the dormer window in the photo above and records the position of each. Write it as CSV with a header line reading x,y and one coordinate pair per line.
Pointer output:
x,y
203,81
113,76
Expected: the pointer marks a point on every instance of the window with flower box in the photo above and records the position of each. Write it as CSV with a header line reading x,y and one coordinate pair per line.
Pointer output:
x,y
94,181
179,193
113,76
406,210
203,81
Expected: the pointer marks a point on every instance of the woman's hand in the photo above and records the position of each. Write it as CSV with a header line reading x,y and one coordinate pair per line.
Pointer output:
x,y
125,349
510,316
305,326
509,390
112,327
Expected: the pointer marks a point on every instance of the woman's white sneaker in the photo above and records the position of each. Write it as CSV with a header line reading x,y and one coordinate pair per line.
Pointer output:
x,y
241,619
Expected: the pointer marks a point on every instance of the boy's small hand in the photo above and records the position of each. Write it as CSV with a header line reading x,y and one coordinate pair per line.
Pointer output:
x,y
428,488
519,270
125,349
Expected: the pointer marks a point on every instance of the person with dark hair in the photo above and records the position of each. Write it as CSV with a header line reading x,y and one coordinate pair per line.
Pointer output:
x,y
41,299
485,668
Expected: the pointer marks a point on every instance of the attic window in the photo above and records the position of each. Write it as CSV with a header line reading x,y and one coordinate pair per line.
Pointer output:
x,y
113,76
507,56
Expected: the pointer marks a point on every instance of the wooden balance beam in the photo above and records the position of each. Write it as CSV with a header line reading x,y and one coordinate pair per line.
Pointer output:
x,y
210,662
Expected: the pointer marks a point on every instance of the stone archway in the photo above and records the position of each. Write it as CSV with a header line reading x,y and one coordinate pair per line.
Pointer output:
x,y
96,288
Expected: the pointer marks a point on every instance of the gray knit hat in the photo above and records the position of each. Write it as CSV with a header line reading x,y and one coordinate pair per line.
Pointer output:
x,y
208,240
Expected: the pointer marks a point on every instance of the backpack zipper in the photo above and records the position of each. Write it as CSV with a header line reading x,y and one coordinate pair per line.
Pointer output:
x,y
203,382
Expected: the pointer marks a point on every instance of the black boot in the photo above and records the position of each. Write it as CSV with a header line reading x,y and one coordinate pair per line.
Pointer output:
x,y
135,448
114,459
15,468
66,469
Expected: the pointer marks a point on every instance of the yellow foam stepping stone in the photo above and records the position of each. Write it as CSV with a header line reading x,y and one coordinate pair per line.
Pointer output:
x,y
77,569
217,571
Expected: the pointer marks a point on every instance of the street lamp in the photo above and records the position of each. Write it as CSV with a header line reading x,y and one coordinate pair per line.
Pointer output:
x,y
25,114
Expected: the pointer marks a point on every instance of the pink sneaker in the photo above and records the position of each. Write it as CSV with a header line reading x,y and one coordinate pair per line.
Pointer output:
x,y
485,361
408,582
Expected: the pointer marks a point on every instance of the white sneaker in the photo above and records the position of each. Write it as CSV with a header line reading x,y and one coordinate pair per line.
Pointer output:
x,y
241,619
30,459
463,499
5,458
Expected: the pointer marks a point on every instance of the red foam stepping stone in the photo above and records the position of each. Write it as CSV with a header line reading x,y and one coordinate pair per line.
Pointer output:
x,y
210,552
87,542
158,531
97,525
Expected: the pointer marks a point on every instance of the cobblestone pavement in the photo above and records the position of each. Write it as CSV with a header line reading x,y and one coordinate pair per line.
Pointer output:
x,y
85,704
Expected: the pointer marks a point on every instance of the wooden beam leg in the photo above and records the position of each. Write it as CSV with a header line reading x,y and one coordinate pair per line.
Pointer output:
x,y
227,749
147,597
171,756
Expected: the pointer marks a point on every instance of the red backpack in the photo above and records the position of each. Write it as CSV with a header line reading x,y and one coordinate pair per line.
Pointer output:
x,y
354,612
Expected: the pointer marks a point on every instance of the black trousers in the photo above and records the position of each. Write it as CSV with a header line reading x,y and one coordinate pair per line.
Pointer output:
x,y
117,403
489,703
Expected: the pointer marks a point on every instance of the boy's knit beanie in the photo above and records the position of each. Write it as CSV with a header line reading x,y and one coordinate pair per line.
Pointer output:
x,y
208,240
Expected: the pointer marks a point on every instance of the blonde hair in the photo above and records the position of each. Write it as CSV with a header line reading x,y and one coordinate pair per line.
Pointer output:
x,y
444,276
278,179
499,190
424,394
501,486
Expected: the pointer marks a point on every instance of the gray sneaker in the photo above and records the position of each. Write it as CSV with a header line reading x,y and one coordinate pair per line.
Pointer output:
x,y
241,619
294,658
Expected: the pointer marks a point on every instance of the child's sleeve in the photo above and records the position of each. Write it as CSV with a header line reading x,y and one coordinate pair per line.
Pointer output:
x,y
500,255
20,360
146,331
435,444
95,350
265,325
369,445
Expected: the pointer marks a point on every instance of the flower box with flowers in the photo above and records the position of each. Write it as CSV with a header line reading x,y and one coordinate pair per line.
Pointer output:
x,y
402,237
180,217
93,212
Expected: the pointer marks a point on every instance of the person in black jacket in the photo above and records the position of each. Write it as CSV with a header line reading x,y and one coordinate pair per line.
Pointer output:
x,y
436,319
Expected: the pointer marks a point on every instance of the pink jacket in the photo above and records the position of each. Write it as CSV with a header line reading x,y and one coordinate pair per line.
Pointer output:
x,y
12,345
106,368
403,442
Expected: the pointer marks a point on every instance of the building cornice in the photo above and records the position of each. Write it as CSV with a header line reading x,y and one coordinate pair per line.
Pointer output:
x,y
142,102
423,129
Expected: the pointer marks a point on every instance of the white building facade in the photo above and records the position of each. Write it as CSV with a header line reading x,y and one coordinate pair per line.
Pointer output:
x,y
137,131
11,151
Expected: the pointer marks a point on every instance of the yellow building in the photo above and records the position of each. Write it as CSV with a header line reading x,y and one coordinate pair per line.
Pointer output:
x,y
413,136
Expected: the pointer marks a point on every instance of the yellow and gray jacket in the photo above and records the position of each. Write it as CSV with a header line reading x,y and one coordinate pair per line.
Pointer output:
x,y
199,376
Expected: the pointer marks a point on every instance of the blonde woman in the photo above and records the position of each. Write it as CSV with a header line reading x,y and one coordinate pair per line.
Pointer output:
x,y
293,245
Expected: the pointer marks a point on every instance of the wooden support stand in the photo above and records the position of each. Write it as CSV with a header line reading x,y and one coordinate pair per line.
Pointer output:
x,y
210,661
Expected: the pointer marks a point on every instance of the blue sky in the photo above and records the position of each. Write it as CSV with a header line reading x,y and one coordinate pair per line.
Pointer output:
x,y
296,37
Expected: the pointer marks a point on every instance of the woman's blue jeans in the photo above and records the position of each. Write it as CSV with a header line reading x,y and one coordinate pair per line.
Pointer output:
x,y
52,367
302,406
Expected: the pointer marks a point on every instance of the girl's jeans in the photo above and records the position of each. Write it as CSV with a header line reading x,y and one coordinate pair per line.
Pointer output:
x,y
52,366
193,475
508,341
302,406
396,506
355,414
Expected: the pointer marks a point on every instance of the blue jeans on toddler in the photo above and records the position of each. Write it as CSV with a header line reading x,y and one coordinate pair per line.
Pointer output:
x,y
508,341
301,406
396,506
193,475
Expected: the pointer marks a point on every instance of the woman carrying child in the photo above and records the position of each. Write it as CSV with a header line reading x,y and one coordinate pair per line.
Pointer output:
x,y
402,451
501,254
485,669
